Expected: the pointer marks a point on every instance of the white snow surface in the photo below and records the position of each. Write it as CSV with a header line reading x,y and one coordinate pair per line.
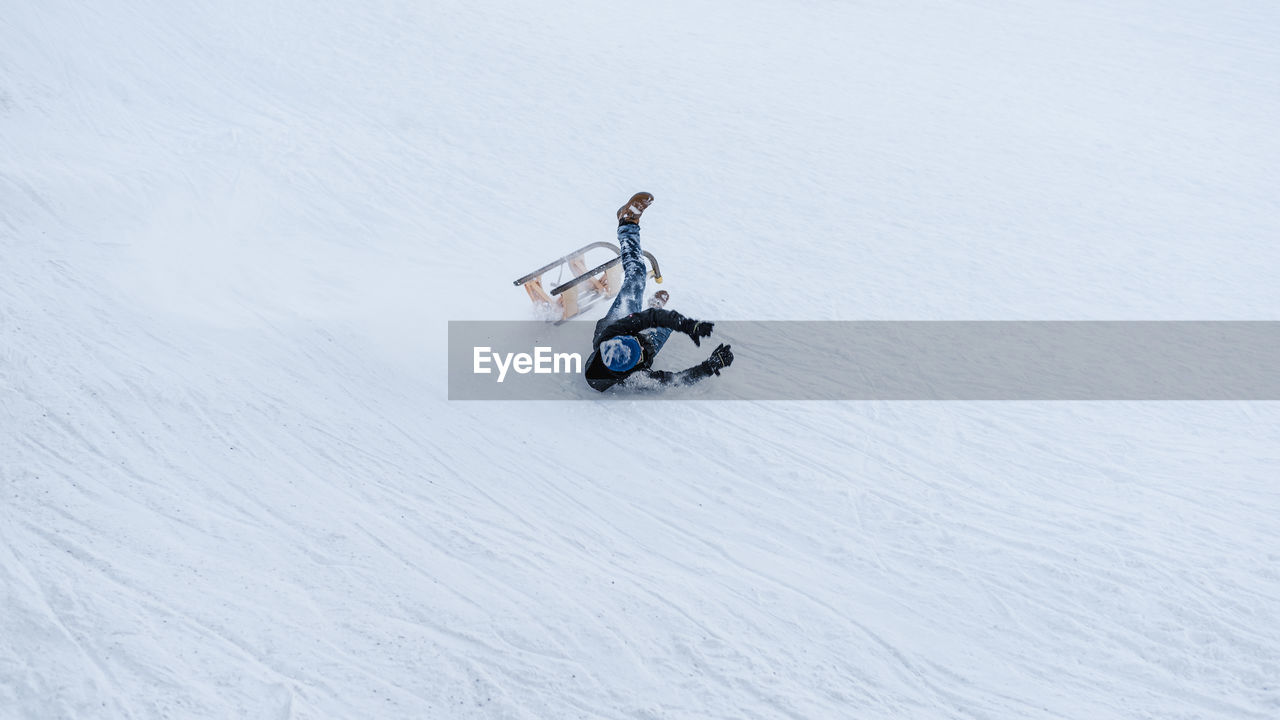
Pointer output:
x,y
232,485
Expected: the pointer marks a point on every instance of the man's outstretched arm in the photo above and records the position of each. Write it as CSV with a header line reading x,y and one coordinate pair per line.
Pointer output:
x,y
643,320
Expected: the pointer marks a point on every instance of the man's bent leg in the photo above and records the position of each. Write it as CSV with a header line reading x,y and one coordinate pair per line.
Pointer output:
x,y
631,297
658,336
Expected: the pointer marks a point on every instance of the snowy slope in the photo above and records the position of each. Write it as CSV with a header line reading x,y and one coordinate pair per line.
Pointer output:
x,y
232,234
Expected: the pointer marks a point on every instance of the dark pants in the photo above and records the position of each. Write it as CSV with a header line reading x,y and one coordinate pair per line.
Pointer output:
x,y
630,298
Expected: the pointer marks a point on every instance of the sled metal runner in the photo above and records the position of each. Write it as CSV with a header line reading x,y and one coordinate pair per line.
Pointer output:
x,y
588,286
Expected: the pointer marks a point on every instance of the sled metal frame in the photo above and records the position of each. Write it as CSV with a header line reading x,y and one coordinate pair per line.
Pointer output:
x,y
580,301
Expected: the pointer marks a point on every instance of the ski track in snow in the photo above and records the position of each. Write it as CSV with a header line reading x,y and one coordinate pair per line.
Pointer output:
x,y
233,487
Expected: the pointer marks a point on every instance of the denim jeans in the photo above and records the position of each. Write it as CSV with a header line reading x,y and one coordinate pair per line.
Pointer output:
x,y
630,298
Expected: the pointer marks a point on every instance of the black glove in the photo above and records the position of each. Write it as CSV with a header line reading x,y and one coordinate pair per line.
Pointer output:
x,y
720,359
696,329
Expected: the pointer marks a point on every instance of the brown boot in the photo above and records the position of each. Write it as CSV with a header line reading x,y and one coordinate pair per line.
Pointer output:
x,y
631,212
659,299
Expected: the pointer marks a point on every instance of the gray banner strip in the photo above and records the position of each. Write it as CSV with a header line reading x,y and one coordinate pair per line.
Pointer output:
x,y
1200,360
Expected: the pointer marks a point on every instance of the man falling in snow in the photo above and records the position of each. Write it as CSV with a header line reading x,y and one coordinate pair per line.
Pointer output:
x,y
628,339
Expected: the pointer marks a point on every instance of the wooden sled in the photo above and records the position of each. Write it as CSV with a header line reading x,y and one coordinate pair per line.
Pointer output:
x,y
587,287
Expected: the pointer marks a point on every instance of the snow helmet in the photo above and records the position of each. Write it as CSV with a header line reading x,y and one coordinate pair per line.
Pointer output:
x,y
620,354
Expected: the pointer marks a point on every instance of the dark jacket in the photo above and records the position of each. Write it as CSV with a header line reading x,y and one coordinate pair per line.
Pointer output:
x,y
602,378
